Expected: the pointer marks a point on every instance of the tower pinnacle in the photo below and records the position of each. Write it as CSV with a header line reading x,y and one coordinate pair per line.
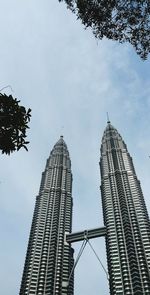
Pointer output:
x,y
108,121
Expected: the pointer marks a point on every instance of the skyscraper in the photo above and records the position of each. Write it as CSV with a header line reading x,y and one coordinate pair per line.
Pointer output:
x,y
125,217
49,259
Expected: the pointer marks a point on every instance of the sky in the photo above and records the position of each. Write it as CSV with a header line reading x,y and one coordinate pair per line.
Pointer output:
x,y
70,81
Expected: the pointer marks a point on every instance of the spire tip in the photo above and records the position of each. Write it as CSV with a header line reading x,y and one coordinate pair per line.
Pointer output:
x,y
108,121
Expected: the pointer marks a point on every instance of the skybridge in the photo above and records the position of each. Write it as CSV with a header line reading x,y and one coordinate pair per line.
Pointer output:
x,y
86,234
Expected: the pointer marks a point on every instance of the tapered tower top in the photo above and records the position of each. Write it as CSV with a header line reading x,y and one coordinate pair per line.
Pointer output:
x,y
109,128
60,148
112,138
60,142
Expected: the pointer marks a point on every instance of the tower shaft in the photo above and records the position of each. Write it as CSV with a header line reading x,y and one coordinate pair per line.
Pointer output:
x,y
125,217
49,260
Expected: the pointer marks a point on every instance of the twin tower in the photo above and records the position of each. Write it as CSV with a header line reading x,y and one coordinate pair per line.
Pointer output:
x,y
49,263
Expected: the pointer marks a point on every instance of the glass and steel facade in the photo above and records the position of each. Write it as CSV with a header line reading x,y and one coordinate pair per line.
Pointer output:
x,y
125,217
49,258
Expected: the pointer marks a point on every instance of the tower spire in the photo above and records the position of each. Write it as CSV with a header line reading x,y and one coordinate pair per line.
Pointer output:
x,y
108,121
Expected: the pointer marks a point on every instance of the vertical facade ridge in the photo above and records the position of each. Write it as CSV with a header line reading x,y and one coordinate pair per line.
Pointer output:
x,y
49,260
125,217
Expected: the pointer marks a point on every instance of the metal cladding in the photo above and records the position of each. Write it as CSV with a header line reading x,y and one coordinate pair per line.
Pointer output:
x,y
49,260
125,217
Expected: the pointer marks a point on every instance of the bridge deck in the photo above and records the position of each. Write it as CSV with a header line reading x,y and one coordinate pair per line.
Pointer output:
x,y
86,234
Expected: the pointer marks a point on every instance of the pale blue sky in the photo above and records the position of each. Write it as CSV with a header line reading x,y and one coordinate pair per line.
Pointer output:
x,y
70,81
